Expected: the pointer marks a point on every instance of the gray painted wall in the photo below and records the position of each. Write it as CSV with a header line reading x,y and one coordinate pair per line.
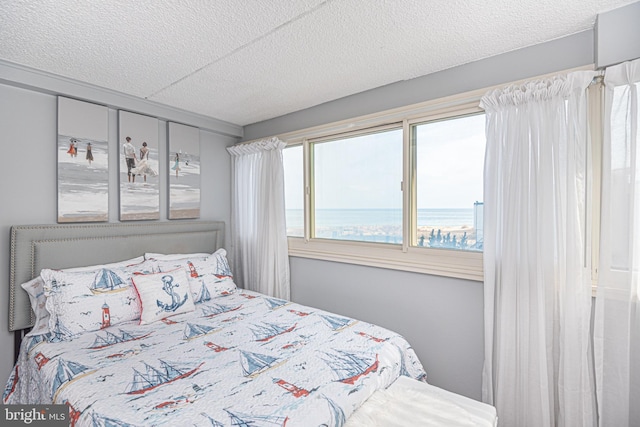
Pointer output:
x,y
28,188
618,35
441,317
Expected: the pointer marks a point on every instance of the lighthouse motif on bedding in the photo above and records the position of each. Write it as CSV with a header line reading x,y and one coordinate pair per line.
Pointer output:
x,y
84,301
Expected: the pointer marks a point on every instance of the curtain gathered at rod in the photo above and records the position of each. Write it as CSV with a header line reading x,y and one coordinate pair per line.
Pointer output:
x,y
259,247
537,288
617,310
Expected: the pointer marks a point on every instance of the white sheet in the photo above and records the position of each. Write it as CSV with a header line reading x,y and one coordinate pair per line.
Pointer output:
x,y
410,402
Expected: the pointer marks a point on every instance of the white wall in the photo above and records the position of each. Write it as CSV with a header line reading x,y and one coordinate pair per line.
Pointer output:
x,y
28,186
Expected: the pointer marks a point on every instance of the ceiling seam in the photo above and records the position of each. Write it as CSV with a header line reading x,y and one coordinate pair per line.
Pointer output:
x,y
239,48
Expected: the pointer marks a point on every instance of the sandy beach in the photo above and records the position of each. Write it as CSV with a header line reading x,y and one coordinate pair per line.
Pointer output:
x,y
139,216
184,213
389,234
83,218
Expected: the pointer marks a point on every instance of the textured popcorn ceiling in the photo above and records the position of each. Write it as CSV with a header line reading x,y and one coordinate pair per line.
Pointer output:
x,y
245,61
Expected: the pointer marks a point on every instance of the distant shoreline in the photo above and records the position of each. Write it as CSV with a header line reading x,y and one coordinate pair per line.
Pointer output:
x,y
387,218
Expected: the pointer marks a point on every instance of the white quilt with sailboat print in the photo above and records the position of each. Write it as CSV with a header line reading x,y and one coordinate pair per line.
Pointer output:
x,y
241,359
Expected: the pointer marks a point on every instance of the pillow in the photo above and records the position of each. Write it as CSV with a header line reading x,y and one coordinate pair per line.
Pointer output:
x,y
208,277
125,263
173,257
163,294
35,289
84,301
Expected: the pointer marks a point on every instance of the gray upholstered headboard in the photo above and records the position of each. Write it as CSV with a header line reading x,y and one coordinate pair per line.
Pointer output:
x,y
34,247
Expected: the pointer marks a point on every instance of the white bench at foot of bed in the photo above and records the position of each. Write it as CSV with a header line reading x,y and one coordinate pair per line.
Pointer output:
x,y
408,402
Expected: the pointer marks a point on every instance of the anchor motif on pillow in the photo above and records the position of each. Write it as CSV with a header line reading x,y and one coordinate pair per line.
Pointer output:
x,y
169,287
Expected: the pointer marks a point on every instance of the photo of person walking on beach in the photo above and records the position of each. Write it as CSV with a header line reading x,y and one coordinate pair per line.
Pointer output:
x,y
143,168
89,155
129,152
73,150
176,164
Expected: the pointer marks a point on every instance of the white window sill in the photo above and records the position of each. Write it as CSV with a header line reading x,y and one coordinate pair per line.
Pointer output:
x,y
440,262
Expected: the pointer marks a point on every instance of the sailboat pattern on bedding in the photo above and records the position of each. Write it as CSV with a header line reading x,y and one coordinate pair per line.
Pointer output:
x,y
240,359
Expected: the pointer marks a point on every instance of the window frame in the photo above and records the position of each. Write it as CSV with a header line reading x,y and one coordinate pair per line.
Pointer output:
x,y
405,256
436,261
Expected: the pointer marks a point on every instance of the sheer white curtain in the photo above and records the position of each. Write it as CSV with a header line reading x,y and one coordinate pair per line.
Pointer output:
x,y
258,224
617,317
537,282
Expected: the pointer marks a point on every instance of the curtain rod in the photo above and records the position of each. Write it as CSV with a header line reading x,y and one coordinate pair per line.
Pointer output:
x,y
266,138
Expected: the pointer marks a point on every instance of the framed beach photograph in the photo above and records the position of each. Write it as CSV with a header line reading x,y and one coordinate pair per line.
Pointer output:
x,y
83,161
138,167
184,171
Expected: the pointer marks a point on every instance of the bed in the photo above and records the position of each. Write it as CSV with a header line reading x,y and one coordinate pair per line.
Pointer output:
x,y
142,324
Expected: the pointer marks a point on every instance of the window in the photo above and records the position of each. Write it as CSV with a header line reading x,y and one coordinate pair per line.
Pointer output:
x,y
400,190
448,159
356,187
403,188
294,190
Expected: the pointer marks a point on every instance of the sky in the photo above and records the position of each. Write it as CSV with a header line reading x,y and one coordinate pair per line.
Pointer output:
x,y
139,128
83,119
184,139
365,172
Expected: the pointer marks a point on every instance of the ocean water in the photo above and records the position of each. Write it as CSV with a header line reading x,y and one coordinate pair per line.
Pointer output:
x,y
83,187
382,217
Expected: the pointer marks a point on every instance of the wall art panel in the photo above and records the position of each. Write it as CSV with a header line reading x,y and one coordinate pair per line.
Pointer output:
x,y
83,161
184,171
138,167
